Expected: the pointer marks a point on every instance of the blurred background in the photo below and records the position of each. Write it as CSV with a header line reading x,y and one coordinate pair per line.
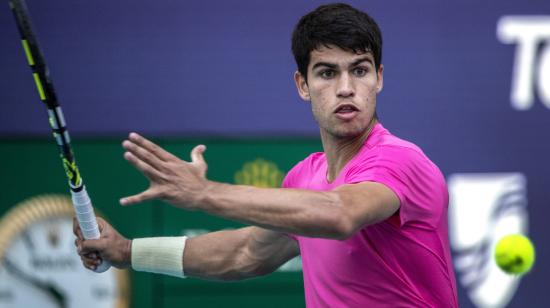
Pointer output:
x,y
467,81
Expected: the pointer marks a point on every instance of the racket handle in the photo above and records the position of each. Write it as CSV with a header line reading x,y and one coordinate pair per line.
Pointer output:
x,y
87,221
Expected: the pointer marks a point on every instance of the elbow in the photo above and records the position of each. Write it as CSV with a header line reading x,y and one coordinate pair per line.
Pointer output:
x,y
338,225
342,228
341,223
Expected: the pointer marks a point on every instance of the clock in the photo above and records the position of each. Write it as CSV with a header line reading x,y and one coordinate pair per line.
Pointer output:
x,y
39,266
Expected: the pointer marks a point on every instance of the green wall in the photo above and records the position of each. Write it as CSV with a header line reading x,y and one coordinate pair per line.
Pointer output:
x,y
32,167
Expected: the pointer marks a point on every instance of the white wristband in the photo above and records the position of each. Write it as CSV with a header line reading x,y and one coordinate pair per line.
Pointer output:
x,y
161,255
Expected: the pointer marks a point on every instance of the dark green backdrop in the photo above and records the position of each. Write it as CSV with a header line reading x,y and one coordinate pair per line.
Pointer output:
x,y
31,167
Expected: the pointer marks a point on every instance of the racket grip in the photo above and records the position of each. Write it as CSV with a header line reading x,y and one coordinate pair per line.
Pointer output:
x,y
87,221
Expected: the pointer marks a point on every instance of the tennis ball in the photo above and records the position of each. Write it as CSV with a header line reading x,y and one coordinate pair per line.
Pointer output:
x,y
515,254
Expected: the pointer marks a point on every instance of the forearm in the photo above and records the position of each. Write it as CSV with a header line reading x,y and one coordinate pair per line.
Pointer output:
x,y
219,256
303,212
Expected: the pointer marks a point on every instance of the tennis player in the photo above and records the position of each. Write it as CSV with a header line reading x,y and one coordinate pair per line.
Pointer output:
x,y
368,215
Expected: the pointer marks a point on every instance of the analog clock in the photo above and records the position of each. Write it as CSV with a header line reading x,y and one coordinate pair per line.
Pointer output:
x,y
39,266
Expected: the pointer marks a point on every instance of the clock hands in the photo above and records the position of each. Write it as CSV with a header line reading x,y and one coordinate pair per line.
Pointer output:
x,y
47,287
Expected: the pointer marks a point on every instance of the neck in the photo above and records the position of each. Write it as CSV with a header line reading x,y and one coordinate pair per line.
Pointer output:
x,y
339,151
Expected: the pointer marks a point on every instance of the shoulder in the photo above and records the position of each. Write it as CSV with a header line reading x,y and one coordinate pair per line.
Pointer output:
x,y
406,161
384,147
387,150
405,169
389,142
304,169
313,161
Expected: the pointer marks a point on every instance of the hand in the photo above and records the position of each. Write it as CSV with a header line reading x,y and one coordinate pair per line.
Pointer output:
x,y
171,179
111,247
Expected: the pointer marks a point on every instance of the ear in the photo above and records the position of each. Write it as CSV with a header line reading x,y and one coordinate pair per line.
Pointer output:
x,y
380,79
301,85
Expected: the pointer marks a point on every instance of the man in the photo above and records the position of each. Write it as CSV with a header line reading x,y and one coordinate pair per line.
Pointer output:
x,y
368,215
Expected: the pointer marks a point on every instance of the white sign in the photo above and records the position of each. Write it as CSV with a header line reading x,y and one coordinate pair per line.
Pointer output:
x,y
531,34
483,208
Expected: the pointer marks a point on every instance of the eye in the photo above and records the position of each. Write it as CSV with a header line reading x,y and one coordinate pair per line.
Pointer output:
x,y
327,74
360,71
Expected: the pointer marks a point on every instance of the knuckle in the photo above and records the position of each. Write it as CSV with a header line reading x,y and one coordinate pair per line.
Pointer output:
x,y
163,193
160,194
164,176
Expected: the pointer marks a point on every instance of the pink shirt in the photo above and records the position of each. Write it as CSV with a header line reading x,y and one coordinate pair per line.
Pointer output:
x,y
403,261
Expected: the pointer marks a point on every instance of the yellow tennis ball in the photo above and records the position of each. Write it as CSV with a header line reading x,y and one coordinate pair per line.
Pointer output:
x,y
515,254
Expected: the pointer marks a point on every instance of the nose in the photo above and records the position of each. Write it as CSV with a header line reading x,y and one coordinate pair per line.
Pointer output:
x,y
345,86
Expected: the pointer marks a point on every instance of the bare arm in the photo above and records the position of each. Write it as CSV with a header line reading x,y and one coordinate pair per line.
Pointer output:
x,y
335,214
223,255
237,254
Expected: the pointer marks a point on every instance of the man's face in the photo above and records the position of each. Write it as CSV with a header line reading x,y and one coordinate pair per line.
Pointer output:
x,y
342,88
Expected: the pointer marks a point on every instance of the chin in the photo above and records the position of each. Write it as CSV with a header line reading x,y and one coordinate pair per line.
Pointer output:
x,y
345,130
348,133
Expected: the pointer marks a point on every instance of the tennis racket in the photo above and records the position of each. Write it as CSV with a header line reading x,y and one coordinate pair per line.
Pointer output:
x,y
81,201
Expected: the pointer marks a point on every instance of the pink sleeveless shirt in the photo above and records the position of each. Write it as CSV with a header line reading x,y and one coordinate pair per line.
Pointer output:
x,y
404,261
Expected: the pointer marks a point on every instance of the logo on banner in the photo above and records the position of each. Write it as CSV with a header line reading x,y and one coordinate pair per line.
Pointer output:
x,y
483,208
260,173
531,74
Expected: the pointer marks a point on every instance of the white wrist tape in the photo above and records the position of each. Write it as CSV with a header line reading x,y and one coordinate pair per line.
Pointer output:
x,y
161,255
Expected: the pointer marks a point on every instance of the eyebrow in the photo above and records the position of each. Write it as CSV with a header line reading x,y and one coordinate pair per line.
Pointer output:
x,y
333,66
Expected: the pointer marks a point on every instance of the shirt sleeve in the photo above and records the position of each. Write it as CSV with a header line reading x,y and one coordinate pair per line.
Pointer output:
x,y
415,180
290,178
295,177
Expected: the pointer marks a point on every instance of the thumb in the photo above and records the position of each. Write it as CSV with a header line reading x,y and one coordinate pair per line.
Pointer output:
x,y
88,246
141,197
197,155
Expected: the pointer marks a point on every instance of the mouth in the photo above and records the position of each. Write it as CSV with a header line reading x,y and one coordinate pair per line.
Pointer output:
x,y
345,108
346,111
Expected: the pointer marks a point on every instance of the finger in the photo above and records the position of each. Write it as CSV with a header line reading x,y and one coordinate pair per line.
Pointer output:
x,y
91,264
83,254
86,260
76,228
77,244
143,167
198,159
151,147
141,197
143,154
92,246
197,154
101,224
89,252
91,256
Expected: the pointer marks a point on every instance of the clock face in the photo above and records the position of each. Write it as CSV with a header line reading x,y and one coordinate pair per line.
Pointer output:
x,y
40,267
